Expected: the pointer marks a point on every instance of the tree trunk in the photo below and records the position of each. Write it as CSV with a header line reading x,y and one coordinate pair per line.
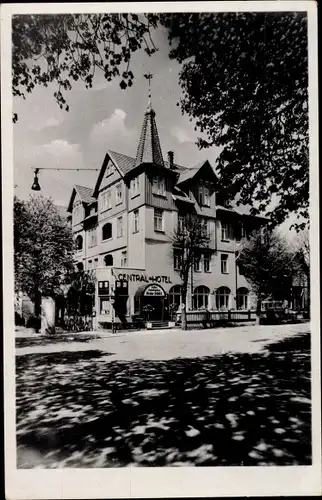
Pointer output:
x,y
37,311
184,309
258,307
47,315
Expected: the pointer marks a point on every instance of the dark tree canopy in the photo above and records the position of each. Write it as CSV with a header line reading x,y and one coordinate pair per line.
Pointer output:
x,y
70,47
43,247
245,82
267,263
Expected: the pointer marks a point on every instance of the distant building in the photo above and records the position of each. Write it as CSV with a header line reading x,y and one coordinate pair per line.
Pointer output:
x,y
123,230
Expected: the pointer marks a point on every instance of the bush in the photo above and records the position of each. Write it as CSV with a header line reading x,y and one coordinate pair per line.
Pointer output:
x,y
34,322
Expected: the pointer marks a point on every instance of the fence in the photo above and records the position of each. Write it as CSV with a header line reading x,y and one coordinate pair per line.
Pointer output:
x,y
214,317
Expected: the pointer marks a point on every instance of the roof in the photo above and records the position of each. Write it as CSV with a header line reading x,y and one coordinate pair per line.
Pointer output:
x,y
85,193
189,173
149,149
124,163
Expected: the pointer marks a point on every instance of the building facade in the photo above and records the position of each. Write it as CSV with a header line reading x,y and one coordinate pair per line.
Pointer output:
x,y
124,226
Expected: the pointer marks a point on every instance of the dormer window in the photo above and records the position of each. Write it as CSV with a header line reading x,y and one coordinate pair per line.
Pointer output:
x,y
204,196
158,186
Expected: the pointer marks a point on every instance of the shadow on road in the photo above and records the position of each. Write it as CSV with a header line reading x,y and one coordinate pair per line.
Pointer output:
x,y
76,410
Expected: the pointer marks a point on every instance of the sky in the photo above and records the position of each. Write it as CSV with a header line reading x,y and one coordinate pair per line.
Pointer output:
x,y
105,117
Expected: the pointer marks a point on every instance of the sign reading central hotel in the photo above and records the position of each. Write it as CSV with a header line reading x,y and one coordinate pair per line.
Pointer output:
x,y
144,278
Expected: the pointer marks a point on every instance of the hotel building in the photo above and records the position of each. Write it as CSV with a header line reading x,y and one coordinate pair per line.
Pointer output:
x,y
124,225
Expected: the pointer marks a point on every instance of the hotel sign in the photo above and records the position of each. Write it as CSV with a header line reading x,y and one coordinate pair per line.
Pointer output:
x,y
143,278
154,291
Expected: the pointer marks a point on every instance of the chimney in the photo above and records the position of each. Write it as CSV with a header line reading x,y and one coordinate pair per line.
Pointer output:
x,y
170,159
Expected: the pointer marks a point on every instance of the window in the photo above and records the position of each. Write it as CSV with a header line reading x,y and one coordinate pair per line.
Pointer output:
x,y
135,186
119,194
158,220
242,298
158,186
205,224
200,297
224,263
95,263
224,231
92,238
77,214
119,227
108,259
197,263
180,223
79,242
206,263
80,266
222,298
90,264
124,259
174,297
106,202
104,306
107,231
109,169
177,260
135,221
204,196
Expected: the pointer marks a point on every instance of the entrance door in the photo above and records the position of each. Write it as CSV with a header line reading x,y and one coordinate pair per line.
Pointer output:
x,y
158,310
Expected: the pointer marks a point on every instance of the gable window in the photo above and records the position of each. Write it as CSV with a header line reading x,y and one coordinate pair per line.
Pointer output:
x,y
177,260
158,220
225,229
92,238
77,213
135,186
206,263
124,259
119,227
224,263
204,196
107,231
158,186
197,263
108,260
106,201
109,169
119,194
136,221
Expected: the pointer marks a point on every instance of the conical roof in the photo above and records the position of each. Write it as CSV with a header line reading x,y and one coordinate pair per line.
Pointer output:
x,y
149,149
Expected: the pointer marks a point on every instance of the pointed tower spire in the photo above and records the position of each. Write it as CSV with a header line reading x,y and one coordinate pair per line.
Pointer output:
x,y
149,149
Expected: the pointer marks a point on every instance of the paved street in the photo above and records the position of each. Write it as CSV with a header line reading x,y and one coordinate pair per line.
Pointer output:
x,y
235,396
168,344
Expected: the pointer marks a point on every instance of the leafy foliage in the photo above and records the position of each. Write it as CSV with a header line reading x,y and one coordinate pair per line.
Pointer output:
x,y
81,292
188,240
67,48
43,247
267,263
245,82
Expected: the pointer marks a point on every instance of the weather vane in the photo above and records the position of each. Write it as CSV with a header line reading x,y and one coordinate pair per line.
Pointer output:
x,y
149,77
